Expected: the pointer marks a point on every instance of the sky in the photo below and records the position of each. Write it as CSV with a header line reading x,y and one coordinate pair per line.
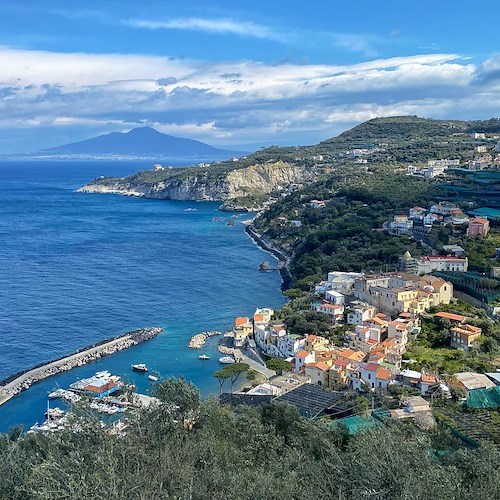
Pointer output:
x,y
239,72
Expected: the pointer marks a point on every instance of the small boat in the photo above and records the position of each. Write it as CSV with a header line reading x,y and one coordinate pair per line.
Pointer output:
x,y
203,356
141,367
153,378
230,222
226,360
58,393
190,209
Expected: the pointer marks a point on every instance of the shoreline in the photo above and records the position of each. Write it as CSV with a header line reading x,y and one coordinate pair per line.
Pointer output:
x,y
286,278
23,380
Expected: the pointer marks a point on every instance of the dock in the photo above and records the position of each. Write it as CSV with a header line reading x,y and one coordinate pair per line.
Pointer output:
x,y
22,381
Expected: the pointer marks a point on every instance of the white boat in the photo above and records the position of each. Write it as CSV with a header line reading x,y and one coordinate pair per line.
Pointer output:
x,y
141,367
153,378
203,356
226,360
58,393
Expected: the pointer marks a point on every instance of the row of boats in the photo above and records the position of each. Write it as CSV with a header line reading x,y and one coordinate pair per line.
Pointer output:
x,y
225,360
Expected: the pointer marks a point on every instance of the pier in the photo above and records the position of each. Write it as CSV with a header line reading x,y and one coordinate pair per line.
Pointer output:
x,y
22,381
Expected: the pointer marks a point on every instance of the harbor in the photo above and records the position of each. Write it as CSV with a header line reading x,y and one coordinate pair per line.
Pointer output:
x,y
22,381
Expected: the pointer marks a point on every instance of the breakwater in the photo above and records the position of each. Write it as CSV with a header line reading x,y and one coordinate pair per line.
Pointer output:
x,y
23,380
280,255
198,341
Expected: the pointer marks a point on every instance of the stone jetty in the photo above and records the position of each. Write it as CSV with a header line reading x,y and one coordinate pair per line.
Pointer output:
x,y
21,381
198,341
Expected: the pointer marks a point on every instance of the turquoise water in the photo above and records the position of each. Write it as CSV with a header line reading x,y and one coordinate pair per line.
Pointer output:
x,y
78,268
493,213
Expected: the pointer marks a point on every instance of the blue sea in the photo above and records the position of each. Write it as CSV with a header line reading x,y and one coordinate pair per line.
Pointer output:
x,y
78,268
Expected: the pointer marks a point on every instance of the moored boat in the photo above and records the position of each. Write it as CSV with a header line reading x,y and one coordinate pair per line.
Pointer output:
x,y
140,367
226,360
153,378
203,356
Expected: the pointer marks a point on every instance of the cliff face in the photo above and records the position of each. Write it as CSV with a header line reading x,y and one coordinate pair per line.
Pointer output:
x,y
203,185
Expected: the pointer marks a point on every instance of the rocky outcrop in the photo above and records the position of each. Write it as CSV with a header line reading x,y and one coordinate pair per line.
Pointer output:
x,y
206,184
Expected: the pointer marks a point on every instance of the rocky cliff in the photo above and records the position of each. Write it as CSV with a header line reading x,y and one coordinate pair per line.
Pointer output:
x,y
205,183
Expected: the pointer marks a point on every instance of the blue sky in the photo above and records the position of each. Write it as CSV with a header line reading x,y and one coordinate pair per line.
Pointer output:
x,y
239,72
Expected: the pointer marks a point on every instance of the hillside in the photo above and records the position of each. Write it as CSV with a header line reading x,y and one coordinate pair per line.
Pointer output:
x,y
384,143
144,141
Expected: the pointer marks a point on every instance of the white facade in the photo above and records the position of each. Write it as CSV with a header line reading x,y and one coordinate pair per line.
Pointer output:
x,y
334,297
360,312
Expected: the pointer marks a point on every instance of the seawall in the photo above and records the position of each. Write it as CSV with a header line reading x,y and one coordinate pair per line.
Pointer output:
x,y
21,381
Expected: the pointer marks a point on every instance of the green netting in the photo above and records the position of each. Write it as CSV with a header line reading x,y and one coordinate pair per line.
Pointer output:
x,y
357,423
484,398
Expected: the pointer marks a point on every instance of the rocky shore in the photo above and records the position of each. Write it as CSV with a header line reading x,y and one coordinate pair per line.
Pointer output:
x,y
21,381
198,341
279,254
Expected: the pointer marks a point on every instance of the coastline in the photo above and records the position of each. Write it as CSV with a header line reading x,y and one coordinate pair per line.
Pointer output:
x,y
286,278
23,380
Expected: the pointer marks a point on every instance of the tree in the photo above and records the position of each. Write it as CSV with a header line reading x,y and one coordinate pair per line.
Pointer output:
x,y
179,396
222,376
235,370
278,365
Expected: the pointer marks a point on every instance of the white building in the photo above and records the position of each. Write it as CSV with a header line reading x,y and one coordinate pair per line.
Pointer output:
x,y
359,312
334,297
334,311
401,224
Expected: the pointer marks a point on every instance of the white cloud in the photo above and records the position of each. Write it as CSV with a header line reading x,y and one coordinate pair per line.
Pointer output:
x,y
234,102
216,26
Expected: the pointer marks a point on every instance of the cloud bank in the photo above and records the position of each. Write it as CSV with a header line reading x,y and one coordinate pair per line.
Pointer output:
x,y
236,102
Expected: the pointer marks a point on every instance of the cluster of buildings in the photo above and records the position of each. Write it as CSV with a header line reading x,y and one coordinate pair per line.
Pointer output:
x,y
433,168
420,220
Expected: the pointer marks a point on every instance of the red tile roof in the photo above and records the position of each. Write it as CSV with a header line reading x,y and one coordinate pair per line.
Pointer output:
x,y
453,317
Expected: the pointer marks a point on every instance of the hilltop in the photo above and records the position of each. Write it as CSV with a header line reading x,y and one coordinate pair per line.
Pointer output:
x,y
382,143
142,142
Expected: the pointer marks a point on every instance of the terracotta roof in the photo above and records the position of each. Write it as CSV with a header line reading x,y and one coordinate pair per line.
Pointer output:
x,y
372,367
322,366
453,317
241,321
429,379
258,317
341,362
384,374
301,354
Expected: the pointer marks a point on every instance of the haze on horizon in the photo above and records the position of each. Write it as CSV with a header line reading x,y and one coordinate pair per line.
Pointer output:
x,y
239,73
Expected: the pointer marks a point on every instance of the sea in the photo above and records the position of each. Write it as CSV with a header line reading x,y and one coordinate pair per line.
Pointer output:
x,y
80,268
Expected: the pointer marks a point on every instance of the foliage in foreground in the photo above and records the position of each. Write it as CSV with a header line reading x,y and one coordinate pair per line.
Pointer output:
x,y
265,453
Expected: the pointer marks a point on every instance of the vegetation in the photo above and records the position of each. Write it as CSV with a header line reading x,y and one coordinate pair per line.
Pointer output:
x,y
266,453
278,365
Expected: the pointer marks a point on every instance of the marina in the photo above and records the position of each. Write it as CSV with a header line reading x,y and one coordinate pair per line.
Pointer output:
x,y
18,383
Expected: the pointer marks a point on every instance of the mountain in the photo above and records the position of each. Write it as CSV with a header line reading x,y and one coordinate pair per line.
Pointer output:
x,y
141,142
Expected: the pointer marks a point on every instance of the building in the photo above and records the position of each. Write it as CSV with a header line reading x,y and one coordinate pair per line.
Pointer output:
x,y
479,135
455,250
479,226
334,297
431,263
317,204
334,311
401,224
444,208
472,381
315,343
303,358
359,312
393,294
463,336
241,330
417,213
411,406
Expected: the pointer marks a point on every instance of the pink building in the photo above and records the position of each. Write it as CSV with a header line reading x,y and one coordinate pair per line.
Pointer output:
x,y
478,227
